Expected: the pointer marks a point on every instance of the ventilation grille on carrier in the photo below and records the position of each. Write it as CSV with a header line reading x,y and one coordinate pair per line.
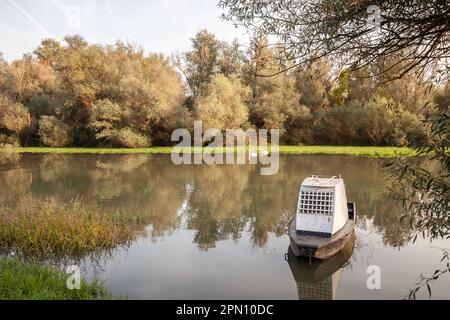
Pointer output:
x,y
316,202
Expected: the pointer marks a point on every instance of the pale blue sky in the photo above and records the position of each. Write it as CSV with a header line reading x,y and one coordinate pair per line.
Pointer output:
x,y
157,25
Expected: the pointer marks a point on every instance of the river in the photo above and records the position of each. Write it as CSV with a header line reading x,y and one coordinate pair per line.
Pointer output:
x,y
218,232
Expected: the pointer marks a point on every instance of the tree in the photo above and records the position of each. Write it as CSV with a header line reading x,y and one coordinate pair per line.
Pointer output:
x,y
200,64
262,63
412,91
222,104
153,92
354,33
79,66
4,71
362,85
14,118
230,58
276,100
147,88
80,71
27,78
273,108
423,191
313,84
341,92
426,192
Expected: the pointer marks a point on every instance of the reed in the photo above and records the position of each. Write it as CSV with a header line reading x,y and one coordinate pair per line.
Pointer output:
x,y
47,228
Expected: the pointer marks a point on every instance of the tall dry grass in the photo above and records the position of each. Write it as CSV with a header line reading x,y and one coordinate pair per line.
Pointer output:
x,y
47,228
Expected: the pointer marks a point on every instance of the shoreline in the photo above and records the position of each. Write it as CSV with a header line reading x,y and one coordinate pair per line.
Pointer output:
x,y
364,151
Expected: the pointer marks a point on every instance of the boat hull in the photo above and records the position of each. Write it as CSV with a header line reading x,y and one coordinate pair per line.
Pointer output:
x,y
320,247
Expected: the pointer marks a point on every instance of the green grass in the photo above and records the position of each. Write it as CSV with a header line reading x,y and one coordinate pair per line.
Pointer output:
x,y
34,227
29,281
379,152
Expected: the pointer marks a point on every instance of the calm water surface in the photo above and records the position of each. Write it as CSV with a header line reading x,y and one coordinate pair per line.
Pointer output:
x,y
213,232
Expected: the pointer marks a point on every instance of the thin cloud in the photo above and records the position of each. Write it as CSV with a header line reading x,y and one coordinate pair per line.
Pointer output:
x,y
158,26
111,13
60,6
33,21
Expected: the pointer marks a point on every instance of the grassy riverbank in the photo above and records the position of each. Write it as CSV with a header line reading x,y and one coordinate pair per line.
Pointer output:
x,y
41,230
29,281
376,152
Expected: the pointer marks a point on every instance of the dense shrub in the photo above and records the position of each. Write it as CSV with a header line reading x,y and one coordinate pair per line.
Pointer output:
x,y
8,140
14,117
111,124
337,125
376,122
54,132
410,130
88,95
41,105
127,137
105,118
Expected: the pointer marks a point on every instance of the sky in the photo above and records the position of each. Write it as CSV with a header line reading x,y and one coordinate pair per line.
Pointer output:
x,y
157,25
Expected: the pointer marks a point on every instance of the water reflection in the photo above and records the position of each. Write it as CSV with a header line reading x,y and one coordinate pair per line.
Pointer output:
x,y
219,231
217,202
318,279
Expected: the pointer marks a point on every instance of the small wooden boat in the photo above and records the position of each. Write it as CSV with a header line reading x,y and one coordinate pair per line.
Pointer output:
x,y
325,222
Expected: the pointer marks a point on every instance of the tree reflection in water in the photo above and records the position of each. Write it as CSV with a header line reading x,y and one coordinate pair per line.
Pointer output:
x,y
215,202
